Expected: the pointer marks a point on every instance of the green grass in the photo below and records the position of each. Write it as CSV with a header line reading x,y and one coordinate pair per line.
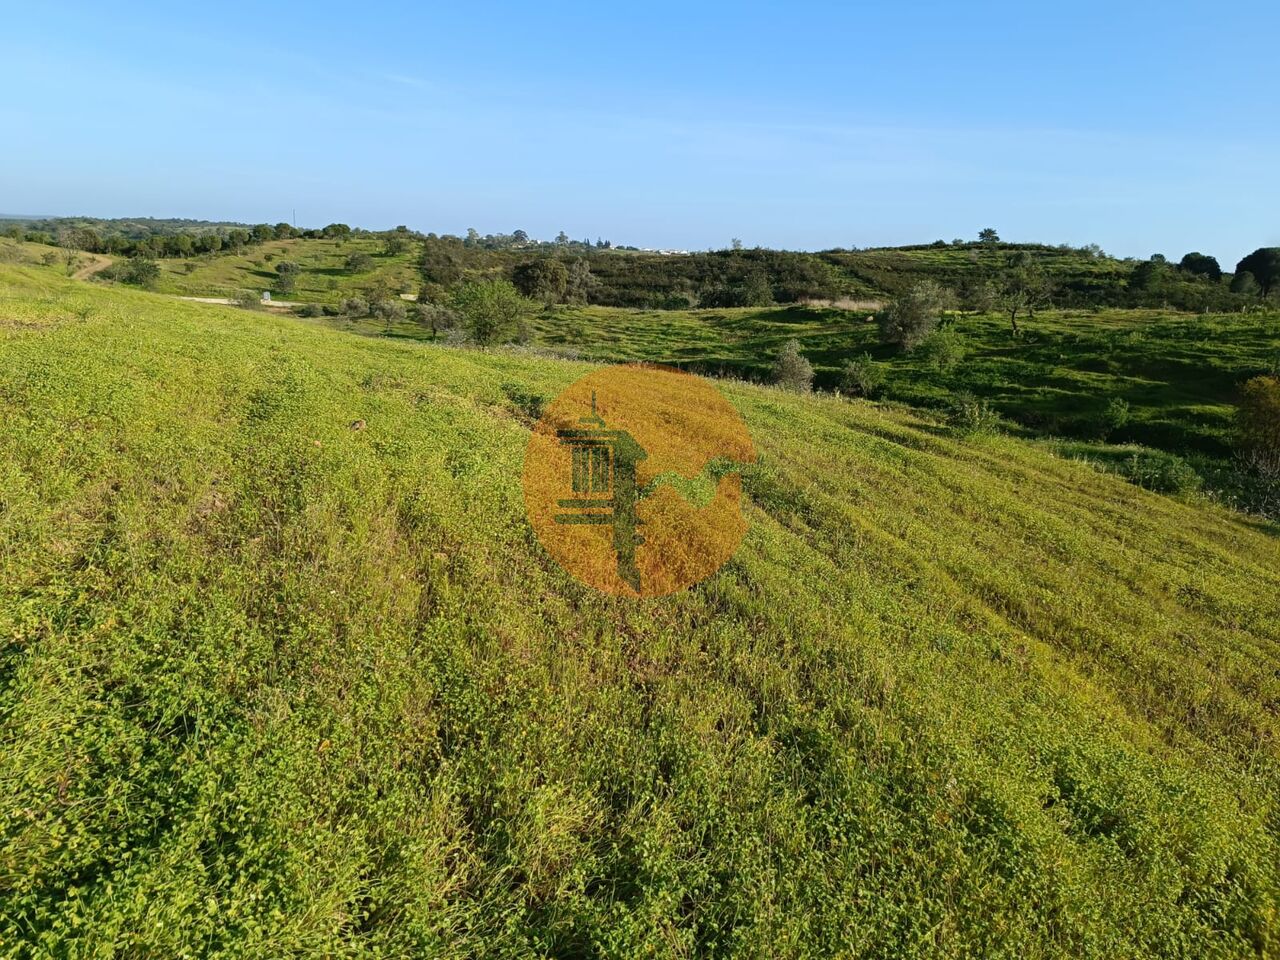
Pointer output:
x,y
1180,373
323,278
270,686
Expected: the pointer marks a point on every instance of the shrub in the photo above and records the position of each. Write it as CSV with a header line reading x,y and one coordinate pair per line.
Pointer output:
x,y
791,370
971,415
389,310
137,271
546,279
1258,417
435,317
862,376
524,401
1161,472
311,310
490,310
1115,417
248,299
943,349
359,263
911,317
355,306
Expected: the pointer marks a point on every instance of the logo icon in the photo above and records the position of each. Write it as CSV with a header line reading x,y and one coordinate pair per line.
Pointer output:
x,y
632,479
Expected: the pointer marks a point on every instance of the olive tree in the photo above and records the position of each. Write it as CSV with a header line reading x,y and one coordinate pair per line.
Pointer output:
x,y
490,310
912,316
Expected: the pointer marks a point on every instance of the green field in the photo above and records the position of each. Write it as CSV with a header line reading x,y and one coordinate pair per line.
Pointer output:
x,y
323,277
1179,373
271,686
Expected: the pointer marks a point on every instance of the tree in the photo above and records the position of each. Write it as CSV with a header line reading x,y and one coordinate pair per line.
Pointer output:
x,y
1258,422
756,291
1245,283
434,317
943,350
336,231
490,310
390,312
1264,264
395,245
138,271
581,281
359,263
912,316
286,276
519,237
735,244
1151,277
988,235
562,238
862,376
791,370
545,279
1201,265
1023,286
440,264
264,231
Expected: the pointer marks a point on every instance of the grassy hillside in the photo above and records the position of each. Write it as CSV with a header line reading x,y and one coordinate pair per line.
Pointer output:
x,y
323,278
1179,373
273,686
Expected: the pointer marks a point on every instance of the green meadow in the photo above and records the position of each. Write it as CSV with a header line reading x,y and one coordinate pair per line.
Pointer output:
x,y
323,277
1178,373
274,686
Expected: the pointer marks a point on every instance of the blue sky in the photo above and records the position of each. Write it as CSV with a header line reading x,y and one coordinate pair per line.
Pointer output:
x,y
1142,127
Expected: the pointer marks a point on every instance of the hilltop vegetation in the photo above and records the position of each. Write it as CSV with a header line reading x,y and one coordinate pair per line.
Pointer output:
x,y
271,685
208,259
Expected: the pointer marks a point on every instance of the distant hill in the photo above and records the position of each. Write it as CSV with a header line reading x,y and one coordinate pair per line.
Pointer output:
x,y
132,228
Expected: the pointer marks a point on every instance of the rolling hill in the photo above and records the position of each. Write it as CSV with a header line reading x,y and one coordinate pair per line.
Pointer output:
x,y
271,685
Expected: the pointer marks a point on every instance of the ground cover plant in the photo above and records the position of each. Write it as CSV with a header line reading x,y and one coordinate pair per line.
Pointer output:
x,y
283,670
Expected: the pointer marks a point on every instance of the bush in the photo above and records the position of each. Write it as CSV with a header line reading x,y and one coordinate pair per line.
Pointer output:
x,y
311,310
1115,417
359,263
791,370
389,310
248,299
435,317
970,415
136,271
862,376
1258,417
943,350
1161,472
355,307
911,317
491,310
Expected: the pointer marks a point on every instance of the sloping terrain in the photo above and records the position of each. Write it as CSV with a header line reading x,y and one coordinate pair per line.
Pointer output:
x,y
270,685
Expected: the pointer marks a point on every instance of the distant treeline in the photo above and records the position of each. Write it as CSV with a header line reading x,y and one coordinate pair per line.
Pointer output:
x,y
163,239
980,274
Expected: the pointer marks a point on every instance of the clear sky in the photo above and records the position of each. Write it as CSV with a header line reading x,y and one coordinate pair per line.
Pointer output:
x,y
1143,127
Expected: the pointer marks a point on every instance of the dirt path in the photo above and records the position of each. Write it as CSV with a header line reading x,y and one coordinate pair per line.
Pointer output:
x,y
97,262
227,301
